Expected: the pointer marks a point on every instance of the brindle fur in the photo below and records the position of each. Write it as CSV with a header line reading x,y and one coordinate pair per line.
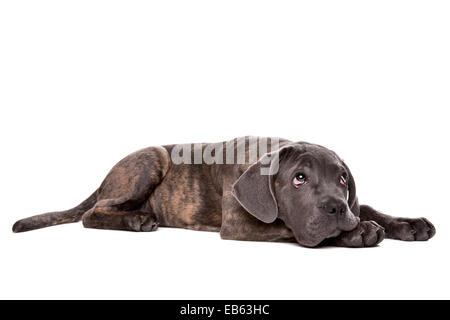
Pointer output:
x,y
146,190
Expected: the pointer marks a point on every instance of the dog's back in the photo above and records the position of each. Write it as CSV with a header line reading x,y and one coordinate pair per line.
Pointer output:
x,y
175,186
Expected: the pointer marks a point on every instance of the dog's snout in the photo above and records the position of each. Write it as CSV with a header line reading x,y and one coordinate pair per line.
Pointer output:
x,y
334,206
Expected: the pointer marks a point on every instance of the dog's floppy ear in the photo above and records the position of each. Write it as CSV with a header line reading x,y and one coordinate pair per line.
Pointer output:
x,y
254,189
351,187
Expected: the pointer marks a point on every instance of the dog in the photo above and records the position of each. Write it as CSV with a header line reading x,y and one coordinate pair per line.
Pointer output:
x,y
249,188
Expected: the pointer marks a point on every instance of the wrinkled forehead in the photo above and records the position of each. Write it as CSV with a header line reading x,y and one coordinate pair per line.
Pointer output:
x,y
318,157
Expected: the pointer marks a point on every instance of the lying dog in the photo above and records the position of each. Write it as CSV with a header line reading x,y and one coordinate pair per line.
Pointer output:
x,y
296,191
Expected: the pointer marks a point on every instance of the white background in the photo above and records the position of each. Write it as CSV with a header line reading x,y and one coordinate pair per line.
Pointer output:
x,y
84,83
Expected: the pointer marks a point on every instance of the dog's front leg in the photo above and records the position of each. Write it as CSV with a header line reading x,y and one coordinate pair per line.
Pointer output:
x,y
407,229
238,224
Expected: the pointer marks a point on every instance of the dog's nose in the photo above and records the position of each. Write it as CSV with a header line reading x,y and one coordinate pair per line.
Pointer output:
x,y
334,206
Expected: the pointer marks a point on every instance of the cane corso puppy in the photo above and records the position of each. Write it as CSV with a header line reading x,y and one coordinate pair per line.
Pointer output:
x,y
248,188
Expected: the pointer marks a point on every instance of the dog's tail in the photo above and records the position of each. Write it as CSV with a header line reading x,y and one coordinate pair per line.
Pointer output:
x,y
55,218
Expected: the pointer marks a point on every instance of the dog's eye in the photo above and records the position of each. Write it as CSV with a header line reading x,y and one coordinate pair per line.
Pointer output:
x,y
343,180
299,180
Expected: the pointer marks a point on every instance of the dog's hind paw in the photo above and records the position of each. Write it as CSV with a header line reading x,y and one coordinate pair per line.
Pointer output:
x,y
141,222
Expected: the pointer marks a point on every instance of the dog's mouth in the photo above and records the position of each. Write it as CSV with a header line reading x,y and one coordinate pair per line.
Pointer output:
x,y
348,223
335,233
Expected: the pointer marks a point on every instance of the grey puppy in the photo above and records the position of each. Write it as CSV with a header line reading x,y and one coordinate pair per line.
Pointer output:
x,y
310,198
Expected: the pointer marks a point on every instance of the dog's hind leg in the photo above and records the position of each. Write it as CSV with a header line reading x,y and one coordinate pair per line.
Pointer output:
x,y
106,217
123,192
122,197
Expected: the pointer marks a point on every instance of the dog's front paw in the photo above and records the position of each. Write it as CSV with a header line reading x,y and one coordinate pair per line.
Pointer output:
x,y
407,229
366,234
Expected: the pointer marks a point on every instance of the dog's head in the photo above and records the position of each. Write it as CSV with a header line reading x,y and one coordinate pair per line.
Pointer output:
x,y
312,192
